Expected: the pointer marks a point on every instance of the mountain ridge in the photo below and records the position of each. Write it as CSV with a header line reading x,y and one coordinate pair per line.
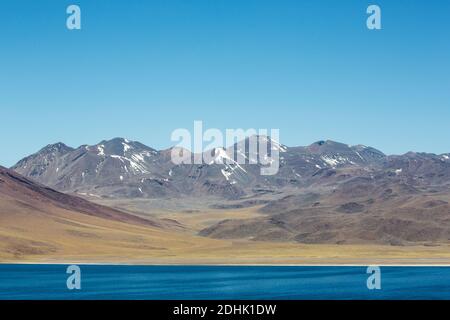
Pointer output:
x,y
124,168
326,192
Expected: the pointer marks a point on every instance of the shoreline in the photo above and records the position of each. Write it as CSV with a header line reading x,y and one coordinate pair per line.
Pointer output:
x,y
197,263
226,265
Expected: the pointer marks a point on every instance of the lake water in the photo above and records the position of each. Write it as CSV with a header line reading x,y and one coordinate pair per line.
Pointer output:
x,y
222,282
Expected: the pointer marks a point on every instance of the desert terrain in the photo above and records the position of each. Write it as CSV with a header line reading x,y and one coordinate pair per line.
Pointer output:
x,y
39,225
122,202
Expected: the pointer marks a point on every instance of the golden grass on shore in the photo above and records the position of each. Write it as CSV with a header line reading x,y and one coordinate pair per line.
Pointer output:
x,y
39,225
62,236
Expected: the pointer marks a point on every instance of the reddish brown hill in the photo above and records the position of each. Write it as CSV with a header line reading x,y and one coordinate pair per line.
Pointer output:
x,y
35,195
40,224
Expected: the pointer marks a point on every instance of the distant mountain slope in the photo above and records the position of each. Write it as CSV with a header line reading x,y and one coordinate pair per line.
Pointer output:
x,y
127,169
360,210
120,168
396,200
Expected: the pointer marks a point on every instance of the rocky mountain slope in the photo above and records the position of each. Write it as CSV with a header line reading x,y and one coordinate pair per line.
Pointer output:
x,y
125,169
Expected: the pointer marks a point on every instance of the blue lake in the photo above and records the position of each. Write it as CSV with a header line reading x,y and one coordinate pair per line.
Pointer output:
x,y
222,282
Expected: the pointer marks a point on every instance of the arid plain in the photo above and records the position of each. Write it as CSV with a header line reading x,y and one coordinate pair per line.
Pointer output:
x,y
35,229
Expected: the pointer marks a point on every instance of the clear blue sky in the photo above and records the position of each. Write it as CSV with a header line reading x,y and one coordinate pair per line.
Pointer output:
x,y
140,69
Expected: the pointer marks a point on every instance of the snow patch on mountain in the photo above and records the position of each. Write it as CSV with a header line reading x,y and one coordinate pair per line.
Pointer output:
x,y
220,157
101,150
137,166
226,174
126,147
336,160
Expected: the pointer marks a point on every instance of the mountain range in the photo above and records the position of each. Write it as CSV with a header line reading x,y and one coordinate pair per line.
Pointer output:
x,y
327,192
122,168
